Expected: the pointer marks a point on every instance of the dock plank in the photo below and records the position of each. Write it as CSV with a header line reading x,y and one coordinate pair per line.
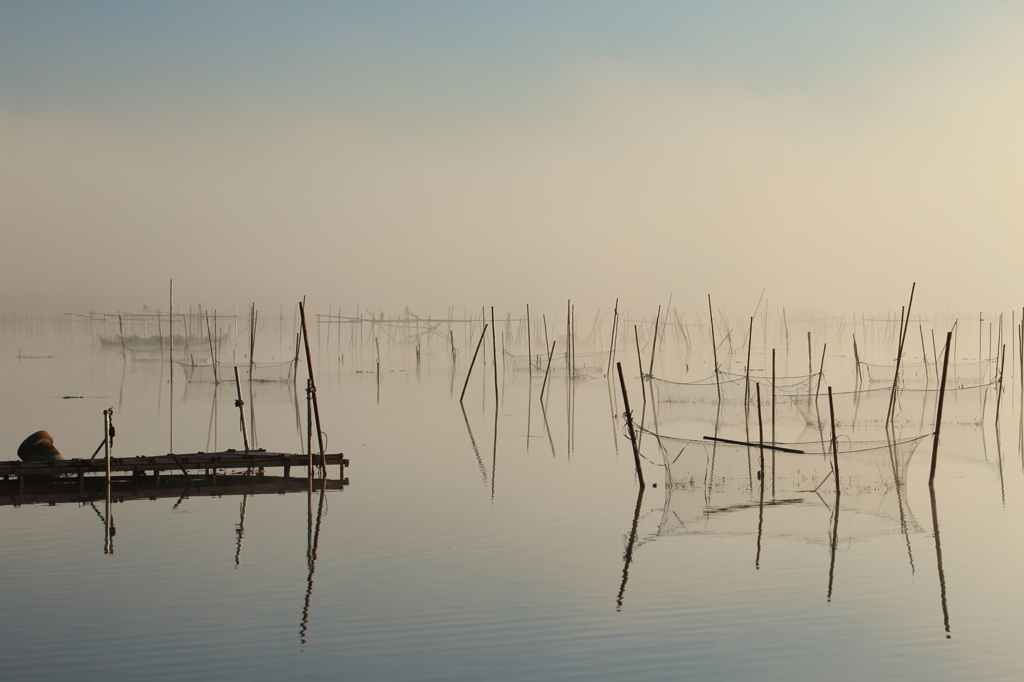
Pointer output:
x,y
228,459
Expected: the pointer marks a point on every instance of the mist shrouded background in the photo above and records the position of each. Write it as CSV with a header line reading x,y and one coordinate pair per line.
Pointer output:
x,y
394,154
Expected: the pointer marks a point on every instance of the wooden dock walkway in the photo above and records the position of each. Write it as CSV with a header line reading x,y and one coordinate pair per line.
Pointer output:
x,y
145,466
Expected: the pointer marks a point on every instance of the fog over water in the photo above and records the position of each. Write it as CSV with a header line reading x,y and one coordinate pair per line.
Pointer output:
x,y
392,155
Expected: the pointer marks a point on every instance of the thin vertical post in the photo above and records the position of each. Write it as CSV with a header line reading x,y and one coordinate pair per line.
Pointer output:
x,y
312,386
835,441
547,371
170,336
529,342
615,328
213,355
999,384
472,362
714,348
108,545
654,344
938,412
773,423
107,415
240,404
494,356
746,376
629,425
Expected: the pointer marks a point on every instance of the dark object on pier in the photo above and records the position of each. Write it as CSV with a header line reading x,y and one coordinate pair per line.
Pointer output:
x,y
38,448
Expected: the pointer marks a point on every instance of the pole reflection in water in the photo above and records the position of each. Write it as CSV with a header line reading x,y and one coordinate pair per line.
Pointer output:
x,y
311,550
476,450
760,476
627,558
547,428
834,542
184,495
613,403
494,455
240,530
529,406
108,536
1020,429
999,460
710,471
938,560
894,460
835,478
108,544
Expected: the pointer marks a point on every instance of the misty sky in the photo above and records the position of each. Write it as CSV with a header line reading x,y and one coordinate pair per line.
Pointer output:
x,y
387,154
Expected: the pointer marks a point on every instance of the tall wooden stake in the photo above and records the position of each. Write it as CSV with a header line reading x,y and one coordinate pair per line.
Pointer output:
x,y
312,387
547,371
835,441
938,412
472,362
494,357
714,347
240,404
170,336
629,425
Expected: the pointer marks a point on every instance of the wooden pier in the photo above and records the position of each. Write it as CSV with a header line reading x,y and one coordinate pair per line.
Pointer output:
x,y
153,466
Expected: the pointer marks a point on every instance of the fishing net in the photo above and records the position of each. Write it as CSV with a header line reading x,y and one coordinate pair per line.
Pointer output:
x,y
258,372
698,401
921,374
590,364
714,487
730,389
963,405
797,466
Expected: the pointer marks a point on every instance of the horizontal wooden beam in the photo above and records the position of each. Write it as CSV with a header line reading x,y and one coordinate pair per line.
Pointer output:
x,y
229,459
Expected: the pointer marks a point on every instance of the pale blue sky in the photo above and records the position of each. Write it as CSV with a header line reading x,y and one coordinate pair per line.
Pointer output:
x,y
466,153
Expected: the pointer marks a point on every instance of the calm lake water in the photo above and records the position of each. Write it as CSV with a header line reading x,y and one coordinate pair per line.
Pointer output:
x,y
510,542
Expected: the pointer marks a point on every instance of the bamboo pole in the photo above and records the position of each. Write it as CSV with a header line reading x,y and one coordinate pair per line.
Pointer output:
x,y
546,372
746,376
835,441
108,415
108,544
309,429
529,342
120,326
856,357
821,371
213,355
924,356
773,423
714,348
240,404
904,325
312,387
472,362
494,357
629,425
654,344
170,336
615,329
760,436
938,413
999,384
